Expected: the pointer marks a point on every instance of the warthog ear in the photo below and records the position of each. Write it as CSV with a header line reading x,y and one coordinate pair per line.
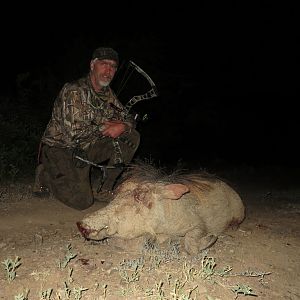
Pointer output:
x,y
174,191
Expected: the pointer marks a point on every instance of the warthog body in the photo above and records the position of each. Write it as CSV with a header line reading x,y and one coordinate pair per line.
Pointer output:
x,y
148,202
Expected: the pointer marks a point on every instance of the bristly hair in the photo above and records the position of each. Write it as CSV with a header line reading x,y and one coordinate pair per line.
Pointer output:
x,y
142,172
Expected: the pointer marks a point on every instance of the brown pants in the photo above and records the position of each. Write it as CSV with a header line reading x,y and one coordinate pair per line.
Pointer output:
x,y
71,184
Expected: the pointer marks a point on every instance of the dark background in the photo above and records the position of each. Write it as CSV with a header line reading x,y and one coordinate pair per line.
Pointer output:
x,y
227,75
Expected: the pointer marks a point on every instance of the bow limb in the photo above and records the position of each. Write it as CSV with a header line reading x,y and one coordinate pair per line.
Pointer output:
x,y
148,95
141,71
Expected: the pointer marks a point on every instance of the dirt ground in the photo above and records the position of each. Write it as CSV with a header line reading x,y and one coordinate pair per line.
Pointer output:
x,y
53,261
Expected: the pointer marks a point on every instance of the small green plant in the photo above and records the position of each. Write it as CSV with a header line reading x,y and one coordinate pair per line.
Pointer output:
x,y
207,267
78,292
130,270
45,295
23,296
11,267
104,290
70,255
178,288
128,278
242,289
67,292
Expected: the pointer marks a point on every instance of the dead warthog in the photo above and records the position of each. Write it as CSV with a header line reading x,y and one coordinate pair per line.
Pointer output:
x,y
194,206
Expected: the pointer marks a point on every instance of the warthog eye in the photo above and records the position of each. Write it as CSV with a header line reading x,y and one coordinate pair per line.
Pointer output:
x,y
140,195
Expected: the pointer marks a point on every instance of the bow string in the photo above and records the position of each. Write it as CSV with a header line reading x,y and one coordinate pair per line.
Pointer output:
x,y
148,95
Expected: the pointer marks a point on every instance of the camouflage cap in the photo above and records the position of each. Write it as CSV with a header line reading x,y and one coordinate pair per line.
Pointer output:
x,y
106,53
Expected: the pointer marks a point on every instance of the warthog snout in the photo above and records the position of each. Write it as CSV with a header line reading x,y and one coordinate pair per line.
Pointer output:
x,y
84,231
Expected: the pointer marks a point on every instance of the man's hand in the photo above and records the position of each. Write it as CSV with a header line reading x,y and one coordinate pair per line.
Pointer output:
x,y
114,129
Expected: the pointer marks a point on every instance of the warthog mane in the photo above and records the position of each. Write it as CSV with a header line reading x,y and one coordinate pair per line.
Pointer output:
x,y
142,172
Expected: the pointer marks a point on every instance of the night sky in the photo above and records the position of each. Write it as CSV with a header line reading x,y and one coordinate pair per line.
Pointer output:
x,y
227,75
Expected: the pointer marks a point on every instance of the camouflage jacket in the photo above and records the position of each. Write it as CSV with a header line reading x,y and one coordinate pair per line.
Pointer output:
x,y
79,112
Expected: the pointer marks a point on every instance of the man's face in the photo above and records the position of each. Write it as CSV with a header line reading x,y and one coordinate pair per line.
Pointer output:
x,y
103,71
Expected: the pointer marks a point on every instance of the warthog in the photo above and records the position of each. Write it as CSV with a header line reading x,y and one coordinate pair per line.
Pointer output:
x,y
197,207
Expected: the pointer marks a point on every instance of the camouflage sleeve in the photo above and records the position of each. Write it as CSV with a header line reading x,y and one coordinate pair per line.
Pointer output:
x,y
76,116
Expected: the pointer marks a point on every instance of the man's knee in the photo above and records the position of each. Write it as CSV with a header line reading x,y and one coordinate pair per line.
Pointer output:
x,y
79,203
72,187
73,194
